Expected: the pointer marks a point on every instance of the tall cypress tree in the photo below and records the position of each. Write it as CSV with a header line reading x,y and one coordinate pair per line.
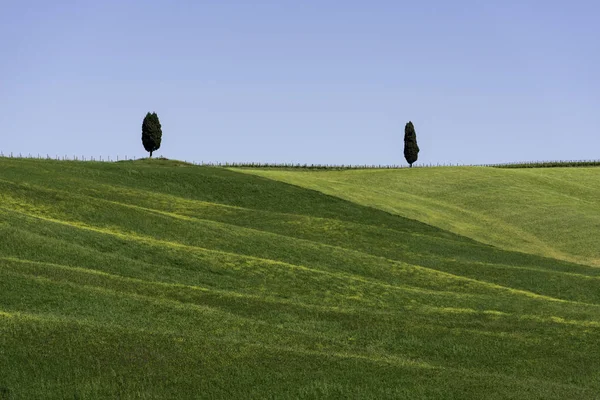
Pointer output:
x,y
151,132
411,149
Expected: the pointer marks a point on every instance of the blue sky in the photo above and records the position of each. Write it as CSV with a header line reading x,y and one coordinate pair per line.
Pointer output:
x,y
312,81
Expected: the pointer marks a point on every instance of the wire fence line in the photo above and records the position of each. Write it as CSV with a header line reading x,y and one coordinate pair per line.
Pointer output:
x,y
64,157
117,158
548,164
108,158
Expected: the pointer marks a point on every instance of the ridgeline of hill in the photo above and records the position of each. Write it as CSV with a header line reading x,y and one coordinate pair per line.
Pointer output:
x,y
156,279
552,212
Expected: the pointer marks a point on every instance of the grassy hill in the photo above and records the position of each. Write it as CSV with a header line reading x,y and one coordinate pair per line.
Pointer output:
x,y
156,279
552,212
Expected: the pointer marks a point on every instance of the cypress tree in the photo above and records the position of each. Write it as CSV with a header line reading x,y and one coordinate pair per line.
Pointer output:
x,y
411,149
151,133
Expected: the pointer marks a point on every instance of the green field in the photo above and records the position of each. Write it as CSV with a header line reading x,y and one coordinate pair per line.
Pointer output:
x,y
157,279
552,212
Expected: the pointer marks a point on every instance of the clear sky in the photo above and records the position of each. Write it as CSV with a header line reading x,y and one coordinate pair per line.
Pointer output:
x,y
313,81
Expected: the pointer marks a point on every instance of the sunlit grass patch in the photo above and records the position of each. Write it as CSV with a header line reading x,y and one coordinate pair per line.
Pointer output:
x,y
550,212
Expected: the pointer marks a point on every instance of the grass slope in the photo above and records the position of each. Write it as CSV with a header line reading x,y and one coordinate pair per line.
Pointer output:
x,y
162,280
553,212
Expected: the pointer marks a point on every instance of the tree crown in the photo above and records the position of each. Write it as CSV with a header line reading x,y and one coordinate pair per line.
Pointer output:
x,y
151,132
411,149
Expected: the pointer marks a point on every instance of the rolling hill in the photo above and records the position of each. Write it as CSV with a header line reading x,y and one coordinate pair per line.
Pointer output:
x,y
553,212
156,279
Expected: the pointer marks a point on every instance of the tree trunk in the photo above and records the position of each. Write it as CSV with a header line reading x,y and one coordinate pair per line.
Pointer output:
x,y
150,153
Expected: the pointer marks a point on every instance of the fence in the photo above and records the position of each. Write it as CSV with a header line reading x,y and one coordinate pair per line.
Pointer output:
x,y
520,164
548,164
63,157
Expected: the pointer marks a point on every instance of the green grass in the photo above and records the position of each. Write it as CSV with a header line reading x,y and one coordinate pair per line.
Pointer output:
x,y
552,212
157,279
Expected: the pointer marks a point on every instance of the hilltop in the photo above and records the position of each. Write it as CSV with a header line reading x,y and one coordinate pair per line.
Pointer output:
x,y
159,279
